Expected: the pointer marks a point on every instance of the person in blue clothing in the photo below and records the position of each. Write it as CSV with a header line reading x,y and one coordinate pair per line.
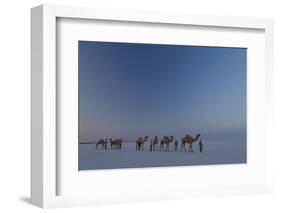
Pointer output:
x,y
176,145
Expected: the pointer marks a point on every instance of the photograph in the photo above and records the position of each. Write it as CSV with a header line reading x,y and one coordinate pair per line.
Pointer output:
x,y
147,105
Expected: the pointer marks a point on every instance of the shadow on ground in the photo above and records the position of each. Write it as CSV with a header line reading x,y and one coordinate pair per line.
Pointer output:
x,y
26,200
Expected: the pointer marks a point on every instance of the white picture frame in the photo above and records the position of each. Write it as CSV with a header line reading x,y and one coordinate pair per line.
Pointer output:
x,y
46,161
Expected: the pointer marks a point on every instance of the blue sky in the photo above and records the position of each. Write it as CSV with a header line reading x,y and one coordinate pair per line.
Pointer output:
x,y
130,90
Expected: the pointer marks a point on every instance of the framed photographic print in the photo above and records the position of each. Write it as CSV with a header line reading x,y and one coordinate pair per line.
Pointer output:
x,y
137,102
148,105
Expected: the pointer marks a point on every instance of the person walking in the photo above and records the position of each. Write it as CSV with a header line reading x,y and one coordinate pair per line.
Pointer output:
x,y
176,145
155,143
200,146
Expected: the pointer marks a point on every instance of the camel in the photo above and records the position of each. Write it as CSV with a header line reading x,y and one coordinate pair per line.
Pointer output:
x,y
187,139
101,142
166,140
116,144
140,142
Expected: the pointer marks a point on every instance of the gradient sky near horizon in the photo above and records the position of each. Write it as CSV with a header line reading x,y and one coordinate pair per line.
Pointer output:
x,y
129,90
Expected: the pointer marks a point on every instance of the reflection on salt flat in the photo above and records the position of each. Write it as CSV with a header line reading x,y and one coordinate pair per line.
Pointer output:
x,y
214,152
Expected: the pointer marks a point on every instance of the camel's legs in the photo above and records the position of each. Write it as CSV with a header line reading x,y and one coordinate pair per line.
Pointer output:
x,y
190,148
155,145
138,146
183,147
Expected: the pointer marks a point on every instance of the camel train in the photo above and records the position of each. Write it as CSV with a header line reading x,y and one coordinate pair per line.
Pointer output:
x,y
163,145
165,140
114,144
